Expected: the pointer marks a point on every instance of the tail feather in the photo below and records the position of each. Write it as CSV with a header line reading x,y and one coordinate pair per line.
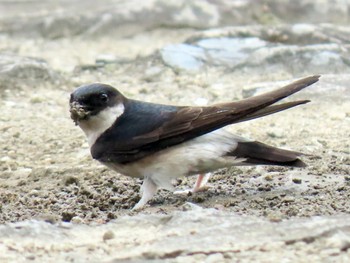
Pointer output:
x,y
259,153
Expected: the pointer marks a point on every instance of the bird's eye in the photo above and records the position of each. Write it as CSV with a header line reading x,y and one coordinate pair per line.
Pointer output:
x,y
104,97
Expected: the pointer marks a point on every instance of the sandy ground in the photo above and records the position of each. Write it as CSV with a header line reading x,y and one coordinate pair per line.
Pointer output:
x,y
47,171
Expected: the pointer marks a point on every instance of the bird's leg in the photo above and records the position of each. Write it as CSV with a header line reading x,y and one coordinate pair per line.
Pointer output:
x,y
148,189
200,185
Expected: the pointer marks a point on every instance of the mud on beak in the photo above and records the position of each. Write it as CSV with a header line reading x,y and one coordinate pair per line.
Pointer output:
x,y
78,112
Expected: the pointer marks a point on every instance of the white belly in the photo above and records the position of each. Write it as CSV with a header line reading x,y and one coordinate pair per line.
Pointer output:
x,y
200,155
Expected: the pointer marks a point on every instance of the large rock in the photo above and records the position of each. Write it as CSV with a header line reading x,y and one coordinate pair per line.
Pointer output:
x,y
18,71
110,17
336,11
298,50
295,34
315,59
195,235
120,18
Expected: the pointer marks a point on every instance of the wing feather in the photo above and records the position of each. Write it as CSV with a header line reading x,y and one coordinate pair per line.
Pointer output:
x,y
142,131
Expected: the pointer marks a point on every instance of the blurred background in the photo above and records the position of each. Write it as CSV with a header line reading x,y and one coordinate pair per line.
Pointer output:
x,y
263,39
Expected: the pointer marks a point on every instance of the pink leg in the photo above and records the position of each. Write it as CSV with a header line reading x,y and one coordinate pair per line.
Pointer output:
x,y
202,179
200,185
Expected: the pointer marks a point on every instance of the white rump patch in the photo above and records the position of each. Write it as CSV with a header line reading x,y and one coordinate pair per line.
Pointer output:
x,y
97,124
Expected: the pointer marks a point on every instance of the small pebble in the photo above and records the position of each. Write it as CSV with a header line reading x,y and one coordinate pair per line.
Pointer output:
x,y
34,192
216,257
317,187
71,180
188,206
268,177
276,134
31,257
5,159
201,101
288,199
297,180
35,100
76,220
108,235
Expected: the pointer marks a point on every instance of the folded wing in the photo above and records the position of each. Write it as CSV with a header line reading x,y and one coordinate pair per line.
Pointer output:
x,y
141,133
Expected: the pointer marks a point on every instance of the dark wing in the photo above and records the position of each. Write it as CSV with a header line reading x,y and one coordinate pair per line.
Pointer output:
x,y
146,128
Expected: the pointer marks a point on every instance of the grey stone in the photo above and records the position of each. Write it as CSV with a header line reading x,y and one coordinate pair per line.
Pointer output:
x,y
255,56
258,50
109,59
183,57
182,234
152,73
18,71
317,59
316,11
295,34
229,51
110,17
120,18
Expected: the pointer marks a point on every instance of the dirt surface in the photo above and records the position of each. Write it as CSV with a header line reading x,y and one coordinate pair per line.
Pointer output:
x,y
46,171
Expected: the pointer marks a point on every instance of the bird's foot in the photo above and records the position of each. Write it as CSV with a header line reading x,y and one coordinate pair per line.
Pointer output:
x,y
148,190
199,186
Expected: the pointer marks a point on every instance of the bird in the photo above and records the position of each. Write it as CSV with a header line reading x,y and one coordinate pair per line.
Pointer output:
x,y
159,143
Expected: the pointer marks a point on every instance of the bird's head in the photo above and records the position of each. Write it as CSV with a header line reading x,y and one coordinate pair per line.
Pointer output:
x,y
90,100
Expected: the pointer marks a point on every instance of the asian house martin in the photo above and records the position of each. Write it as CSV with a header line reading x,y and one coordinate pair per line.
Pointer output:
x,y
160,143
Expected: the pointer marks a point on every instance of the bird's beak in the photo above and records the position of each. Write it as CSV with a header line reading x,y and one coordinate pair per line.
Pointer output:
x,y
78,112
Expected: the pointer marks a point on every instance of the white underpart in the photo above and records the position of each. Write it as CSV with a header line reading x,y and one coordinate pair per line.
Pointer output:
x,y
97,124
197,156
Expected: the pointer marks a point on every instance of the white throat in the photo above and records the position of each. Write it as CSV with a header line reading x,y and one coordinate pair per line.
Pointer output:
x,y
97,124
